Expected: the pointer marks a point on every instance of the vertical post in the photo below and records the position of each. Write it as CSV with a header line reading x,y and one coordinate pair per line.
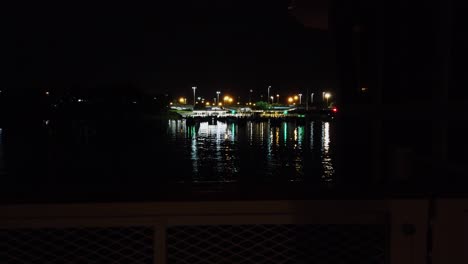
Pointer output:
x,y
160,248
268,98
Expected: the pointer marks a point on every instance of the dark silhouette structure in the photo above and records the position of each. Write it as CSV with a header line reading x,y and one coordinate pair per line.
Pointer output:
x,y
400,91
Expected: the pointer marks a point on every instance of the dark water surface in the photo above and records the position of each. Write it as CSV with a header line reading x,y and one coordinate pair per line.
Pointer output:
x,y
164,156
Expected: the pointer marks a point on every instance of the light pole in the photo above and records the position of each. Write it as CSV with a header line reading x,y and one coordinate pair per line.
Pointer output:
x,y
250,96
312,98
194,98
300,99
217,96
269,91
277,98
272,98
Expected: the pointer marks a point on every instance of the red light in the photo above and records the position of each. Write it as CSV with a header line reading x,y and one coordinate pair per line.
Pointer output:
x,y
335,110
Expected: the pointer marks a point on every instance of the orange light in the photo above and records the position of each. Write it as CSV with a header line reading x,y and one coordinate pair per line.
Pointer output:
x,y
290,99
296,97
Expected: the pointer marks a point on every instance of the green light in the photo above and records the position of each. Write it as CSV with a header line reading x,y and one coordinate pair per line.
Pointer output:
x,y
285,112
233,111
300,134
285,133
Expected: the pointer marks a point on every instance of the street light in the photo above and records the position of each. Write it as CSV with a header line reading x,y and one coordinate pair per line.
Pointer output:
x,y
217,96
250,96
194,88
277,98
227,99
271,97
327,96
300,98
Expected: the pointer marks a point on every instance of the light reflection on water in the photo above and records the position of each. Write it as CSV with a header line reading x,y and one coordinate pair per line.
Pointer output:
x,y
256,151
327,162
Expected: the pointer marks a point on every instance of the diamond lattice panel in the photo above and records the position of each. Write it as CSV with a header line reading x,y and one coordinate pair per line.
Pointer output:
x,y
325,244
77,245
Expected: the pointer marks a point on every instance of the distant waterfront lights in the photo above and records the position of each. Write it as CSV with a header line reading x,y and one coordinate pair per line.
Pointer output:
x,y
183,100
228,99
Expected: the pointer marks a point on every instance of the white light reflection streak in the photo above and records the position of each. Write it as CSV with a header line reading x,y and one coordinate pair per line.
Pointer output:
x,y
270,139
295,137
312,135
277,132
326,137
262,134
328,169
250,131
194,149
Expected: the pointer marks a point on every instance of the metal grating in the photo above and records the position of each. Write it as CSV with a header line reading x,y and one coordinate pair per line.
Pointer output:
x,y
77,245
297,244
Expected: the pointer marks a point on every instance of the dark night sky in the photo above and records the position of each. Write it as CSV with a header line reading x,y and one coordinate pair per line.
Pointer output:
x,y
216,45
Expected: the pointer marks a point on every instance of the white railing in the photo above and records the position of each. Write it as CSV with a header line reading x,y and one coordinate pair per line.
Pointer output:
x,y
386,231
